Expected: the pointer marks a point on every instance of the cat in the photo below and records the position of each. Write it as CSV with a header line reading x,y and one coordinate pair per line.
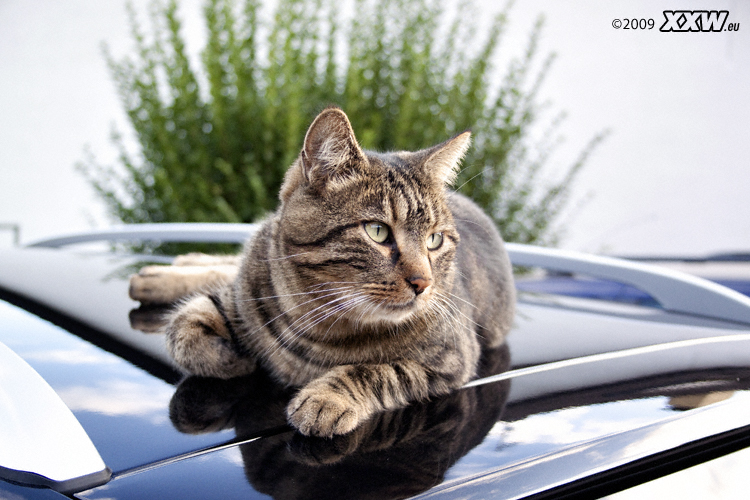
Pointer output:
x,y
371,287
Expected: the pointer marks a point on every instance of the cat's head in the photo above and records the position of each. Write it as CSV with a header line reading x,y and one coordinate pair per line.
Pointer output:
x,y
371,231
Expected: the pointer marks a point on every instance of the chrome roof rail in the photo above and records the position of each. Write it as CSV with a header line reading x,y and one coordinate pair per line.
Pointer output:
x,y
42,444
675,291
734,353
193,232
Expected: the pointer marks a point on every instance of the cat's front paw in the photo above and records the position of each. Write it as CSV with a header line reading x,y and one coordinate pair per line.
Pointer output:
x,y
319,411
198,339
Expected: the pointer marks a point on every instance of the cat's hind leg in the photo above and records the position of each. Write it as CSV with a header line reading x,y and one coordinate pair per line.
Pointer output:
x,y
167,284
202,259
201,339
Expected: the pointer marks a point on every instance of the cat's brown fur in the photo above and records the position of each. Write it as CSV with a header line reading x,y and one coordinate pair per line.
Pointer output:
x,y
360,326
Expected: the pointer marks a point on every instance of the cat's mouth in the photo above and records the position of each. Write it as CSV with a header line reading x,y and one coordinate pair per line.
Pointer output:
x,y
391,313
407,301
394,307
401,307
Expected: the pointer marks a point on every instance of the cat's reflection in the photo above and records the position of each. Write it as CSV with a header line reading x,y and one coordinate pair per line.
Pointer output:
x,y
149,318
393,455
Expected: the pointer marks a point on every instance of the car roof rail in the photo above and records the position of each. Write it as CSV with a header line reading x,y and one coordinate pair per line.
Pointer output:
x,y
187,232
673,290
43,444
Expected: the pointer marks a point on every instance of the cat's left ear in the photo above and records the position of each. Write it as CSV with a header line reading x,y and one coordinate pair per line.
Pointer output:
x,y
443,160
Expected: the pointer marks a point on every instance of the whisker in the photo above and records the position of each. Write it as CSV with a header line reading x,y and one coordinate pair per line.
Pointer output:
x,y
312,316
366,311
446,300
313,287
480,226
462,275
350,306
283,258
284,312
446,314
313,313
461,299
333,308
468,181
296,294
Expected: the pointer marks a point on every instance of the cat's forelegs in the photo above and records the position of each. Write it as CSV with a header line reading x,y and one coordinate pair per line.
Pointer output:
x,y
199,339
346,396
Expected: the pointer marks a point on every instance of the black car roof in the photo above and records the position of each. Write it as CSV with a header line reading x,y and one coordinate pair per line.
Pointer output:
x,y
86,294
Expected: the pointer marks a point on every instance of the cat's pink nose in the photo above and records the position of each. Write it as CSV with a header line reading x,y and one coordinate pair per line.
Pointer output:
x,y
419,284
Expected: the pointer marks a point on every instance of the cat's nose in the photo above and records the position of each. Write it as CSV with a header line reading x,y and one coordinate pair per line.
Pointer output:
x,y
419,284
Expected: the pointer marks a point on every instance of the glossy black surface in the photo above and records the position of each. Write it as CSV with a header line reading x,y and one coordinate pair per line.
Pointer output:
x,y
395,455
124,409
11,491
459,448
226,439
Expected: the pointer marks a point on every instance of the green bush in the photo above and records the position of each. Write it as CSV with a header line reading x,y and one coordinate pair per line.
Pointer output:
x,y
215,143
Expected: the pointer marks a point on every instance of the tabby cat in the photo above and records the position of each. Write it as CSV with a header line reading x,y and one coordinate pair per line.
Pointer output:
x,y
372,286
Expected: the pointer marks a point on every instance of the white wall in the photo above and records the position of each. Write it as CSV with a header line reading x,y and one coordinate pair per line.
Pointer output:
x,y
672,177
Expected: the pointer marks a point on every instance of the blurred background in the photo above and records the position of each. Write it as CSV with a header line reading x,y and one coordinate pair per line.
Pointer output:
x,y
670,177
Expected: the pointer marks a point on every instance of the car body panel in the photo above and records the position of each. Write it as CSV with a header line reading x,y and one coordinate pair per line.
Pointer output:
x,y
536,445
42,443
124,410
585,394
87,287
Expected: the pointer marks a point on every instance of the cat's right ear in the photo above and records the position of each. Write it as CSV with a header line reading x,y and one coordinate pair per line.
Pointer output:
x,y
331,154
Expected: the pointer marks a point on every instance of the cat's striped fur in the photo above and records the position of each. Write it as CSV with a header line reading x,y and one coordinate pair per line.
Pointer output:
x,y
360,326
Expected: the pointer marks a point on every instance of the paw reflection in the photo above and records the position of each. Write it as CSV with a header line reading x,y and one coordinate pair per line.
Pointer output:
x,y
149,318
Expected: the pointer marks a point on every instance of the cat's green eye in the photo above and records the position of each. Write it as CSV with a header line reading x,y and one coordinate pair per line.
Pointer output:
x,y
377,231
434,241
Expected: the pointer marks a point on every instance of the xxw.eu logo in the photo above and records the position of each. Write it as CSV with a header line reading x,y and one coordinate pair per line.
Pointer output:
x,y
697,20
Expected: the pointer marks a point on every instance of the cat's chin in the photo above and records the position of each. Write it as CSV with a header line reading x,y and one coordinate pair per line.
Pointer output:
x,y
390,314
